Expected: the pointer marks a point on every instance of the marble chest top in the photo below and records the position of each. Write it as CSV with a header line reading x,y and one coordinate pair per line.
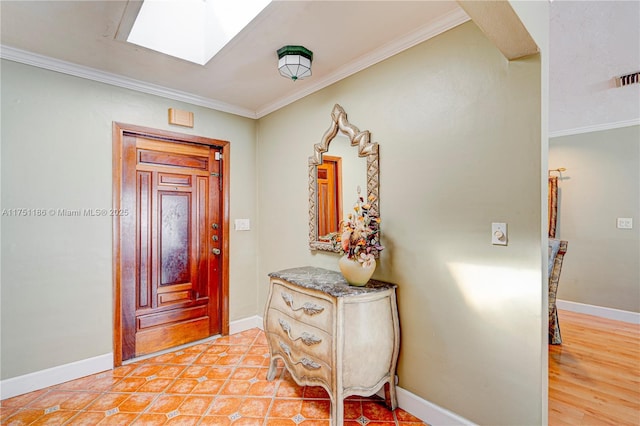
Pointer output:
x,y
327,281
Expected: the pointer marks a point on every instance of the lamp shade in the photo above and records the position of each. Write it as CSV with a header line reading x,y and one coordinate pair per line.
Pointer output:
x,y
294,62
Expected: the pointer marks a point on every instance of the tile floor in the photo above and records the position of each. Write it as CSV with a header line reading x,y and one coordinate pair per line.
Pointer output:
x,y
219,382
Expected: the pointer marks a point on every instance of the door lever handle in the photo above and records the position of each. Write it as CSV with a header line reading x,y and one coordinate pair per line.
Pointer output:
x,y
215,251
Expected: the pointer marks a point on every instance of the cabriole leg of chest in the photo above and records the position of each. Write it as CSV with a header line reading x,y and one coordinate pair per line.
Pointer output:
x,y
390,396
273,369
337,410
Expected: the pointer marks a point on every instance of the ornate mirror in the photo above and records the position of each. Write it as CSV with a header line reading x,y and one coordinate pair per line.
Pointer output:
x,y
352,162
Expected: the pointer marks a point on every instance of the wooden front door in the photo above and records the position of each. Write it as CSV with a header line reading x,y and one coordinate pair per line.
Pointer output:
x,y
172,242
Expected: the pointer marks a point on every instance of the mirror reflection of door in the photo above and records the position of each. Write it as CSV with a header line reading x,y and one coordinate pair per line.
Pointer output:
x,y
329,196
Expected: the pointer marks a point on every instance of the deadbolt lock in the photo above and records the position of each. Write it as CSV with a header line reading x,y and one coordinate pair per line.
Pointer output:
x,y
215,238
214,225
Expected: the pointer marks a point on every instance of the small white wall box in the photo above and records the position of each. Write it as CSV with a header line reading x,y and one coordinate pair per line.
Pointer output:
x,y
242,224
624,223
499,234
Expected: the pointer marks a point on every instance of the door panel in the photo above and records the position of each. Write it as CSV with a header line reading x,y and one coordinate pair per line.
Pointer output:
x,y
170,335
174,237
143,254
171,282
164,159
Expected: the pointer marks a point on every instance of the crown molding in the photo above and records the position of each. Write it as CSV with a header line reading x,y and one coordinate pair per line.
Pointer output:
x,y
595,128
430,30
41,61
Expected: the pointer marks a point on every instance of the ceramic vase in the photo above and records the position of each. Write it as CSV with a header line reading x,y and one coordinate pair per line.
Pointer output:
x,y
354,272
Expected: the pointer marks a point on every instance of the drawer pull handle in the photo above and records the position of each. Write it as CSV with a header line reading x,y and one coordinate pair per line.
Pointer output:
x,y
308,308
307,338
306,362
309,365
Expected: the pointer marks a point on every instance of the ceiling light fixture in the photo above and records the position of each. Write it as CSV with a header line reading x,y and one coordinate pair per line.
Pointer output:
x,y
294,62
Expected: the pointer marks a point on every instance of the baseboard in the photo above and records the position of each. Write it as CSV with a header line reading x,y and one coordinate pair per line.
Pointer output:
x,y
243,324
54,376
599,311
63,373
426,411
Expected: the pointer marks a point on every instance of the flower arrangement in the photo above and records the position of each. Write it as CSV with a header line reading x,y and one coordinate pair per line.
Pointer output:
x,y
359,234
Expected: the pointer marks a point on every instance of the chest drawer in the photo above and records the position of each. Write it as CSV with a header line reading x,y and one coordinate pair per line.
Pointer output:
x,y
299,336
303,367
305,308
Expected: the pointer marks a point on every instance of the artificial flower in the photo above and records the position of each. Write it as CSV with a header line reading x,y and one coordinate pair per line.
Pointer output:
x,y
359,234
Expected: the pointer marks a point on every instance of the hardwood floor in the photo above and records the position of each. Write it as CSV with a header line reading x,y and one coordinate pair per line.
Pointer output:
x,y
594,375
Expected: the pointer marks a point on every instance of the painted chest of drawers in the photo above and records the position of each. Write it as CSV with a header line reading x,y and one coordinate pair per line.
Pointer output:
x,y
330,334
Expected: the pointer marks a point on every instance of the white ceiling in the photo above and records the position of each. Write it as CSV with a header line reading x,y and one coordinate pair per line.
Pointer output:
x,y
590,43
345,36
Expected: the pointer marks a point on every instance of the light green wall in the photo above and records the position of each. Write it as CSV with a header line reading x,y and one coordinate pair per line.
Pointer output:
x,y
459,133
601,183
57,153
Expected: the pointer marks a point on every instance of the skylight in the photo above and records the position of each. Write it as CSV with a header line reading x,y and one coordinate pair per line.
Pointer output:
x,y
193,30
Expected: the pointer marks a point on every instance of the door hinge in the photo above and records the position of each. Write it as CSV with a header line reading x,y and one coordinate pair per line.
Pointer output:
x,y
217,155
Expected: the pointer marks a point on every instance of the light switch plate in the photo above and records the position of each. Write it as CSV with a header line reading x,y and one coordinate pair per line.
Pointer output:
x,y
625,223
242,224
499,234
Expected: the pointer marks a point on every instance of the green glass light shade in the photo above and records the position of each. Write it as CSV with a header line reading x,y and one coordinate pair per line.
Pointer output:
x,y
294,62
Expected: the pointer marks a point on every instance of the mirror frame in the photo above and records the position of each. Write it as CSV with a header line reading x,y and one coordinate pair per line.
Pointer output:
x,y
366,148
